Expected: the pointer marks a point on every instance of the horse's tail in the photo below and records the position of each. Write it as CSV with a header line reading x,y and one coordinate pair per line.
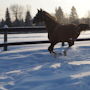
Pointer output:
x,y
83,27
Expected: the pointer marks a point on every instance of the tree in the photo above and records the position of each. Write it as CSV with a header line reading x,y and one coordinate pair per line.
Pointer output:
x,y
28,19
88,18
17,11
59,15
7,18
2,22
16,23
73,16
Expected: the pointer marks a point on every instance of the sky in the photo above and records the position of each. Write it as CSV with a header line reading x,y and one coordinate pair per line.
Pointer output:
x,y
82,6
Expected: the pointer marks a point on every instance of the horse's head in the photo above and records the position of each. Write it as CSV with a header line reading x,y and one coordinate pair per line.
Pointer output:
x,y
38,17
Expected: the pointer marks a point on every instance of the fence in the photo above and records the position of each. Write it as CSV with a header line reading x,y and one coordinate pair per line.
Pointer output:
x,y
18,30
14,30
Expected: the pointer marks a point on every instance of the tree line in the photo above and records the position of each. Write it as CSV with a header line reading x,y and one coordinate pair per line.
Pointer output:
x,y
73,17
15,17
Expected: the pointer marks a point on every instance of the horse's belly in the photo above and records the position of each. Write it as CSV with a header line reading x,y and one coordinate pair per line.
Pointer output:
x,y
61,37
56,38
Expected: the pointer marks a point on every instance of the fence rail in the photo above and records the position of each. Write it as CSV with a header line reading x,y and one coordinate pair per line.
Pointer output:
x,y
18,30
28,29
34,42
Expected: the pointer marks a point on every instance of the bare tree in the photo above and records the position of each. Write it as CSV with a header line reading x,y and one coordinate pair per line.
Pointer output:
x,y
88,16
17,11
87,20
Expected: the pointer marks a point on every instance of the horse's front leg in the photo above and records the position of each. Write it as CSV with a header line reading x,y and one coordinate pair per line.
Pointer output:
x,y
50,49
63,43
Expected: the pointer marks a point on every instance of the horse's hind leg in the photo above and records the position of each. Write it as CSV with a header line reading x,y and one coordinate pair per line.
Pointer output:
x,y
71,43
65,51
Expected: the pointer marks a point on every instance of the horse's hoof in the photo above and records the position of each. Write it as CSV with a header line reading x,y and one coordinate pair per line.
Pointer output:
x,y
54,54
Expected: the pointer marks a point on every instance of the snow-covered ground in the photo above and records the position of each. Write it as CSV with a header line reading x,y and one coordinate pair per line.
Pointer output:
x,y
31,67
34,37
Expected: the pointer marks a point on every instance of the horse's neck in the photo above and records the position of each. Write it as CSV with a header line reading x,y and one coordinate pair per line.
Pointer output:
x,y
50,24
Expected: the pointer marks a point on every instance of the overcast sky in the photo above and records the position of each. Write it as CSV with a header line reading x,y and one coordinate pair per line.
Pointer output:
x,y
82,6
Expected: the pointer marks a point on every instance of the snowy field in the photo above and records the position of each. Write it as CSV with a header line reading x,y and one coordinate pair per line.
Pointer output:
x,y
34,37
31,67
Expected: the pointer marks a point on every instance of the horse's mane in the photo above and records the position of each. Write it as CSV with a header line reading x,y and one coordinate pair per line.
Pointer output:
x,y
50,16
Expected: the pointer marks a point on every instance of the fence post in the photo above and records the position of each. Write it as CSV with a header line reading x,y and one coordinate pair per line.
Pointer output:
x,y
5,37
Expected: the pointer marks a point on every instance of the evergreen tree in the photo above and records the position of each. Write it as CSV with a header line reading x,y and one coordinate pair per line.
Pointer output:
x,y
2,23
16,23
7,18
73,16
21,23
28,19
59,15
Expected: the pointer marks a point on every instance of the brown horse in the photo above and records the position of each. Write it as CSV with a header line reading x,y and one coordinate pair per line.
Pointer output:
x,y
57,32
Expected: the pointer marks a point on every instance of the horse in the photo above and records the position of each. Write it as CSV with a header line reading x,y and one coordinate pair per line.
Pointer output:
x,y
58,32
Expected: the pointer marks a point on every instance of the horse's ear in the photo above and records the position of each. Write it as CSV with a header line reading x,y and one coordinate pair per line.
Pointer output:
x,y
41,9
38,10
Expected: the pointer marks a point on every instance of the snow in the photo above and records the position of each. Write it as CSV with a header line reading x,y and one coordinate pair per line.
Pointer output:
x,y
24,37
34,37
31,67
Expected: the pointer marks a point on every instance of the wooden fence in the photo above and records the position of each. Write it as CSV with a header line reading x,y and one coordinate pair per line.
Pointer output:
x,y
6,31
19,30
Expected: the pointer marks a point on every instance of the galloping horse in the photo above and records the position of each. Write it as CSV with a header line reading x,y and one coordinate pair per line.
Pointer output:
x,y
58,32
